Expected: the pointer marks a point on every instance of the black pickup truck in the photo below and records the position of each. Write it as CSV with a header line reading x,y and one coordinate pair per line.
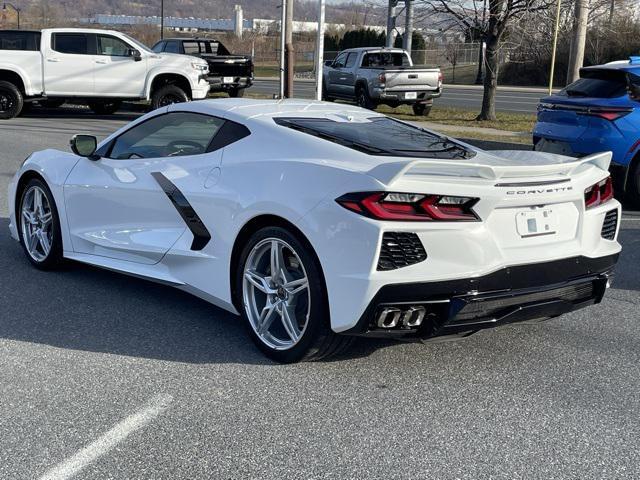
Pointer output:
x,y
227,73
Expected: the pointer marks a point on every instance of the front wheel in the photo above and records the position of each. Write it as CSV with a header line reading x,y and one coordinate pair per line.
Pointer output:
x,y
11,100
284,302
168,95
107,107
39,226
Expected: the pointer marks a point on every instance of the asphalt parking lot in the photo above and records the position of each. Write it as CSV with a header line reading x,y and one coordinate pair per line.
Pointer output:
x,y
108,377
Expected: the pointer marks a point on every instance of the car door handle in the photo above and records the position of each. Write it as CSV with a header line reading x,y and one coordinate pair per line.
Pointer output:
x,y
101,61
343,78
53,60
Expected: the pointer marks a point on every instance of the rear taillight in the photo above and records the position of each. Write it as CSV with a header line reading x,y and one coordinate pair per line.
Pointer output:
x,y
382,78
411,207
608,113
599,193
440,77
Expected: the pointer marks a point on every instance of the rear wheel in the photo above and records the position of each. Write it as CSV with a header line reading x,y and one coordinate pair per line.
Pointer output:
x,y
106,107
284,302
11,100
421,109
236,93
363,99
633,194
168,95
39,226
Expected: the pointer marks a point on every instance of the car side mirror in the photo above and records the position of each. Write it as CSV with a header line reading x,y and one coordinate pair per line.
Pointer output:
x,y
328,63
135,54
84,146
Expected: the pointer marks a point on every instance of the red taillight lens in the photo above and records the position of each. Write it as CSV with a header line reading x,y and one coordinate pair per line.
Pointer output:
x,y
610,114
411,207
382,78
440,77
599,193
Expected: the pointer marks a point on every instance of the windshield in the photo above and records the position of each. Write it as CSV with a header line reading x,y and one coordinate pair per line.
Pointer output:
x,y
140,46
380,136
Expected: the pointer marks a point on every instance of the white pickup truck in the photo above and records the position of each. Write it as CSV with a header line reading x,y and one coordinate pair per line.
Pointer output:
x,y
376,75
100,67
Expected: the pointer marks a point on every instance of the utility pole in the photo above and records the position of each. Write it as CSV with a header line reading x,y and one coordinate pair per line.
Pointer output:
x,y
283,62
161,19
408,26
481,30
391,22
555,47
320,50
578,40
289,52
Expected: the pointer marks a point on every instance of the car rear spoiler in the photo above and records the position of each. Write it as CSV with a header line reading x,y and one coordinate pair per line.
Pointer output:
x,y
517,164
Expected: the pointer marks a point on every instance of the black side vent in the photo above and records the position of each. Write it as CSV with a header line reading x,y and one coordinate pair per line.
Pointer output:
x,y
610,224
400,249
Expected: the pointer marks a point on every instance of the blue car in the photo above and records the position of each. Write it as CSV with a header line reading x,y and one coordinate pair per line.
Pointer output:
x,y
596,113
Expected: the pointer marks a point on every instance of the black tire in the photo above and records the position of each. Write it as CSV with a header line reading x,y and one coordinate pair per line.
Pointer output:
x,y
54,259
318,341
421,110
11,100
325,95
168,95
363,99
633,193
105,107
52,102
236,93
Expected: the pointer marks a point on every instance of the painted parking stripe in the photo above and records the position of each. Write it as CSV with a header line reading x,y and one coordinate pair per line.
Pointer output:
x,y
103,444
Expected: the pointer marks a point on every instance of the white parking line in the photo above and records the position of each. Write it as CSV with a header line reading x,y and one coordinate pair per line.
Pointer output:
x,y
74,464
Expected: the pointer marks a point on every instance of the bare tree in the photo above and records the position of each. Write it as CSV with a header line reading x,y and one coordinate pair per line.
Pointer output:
x,y
452,54
500,15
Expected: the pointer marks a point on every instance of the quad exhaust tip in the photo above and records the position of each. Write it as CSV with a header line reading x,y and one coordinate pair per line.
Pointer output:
x,y
392,317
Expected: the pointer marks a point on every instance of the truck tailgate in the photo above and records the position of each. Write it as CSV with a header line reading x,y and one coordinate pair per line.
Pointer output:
x,y
414,79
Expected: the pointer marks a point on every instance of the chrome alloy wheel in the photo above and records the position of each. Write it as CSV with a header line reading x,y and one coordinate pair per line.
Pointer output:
x,y
276,293
37,223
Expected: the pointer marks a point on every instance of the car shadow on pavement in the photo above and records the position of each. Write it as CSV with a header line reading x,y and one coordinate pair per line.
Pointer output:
x,y
85,308
79,114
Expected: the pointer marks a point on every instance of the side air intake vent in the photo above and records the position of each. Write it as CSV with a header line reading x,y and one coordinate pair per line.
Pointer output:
x,y
610,224
400,249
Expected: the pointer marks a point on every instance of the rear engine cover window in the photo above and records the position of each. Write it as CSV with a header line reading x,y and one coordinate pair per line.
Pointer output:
x,y
380,136
604,83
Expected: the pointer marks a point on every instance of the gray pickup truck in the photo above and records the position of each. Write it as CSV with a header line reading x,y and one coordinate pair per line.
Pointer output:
x,y
373,75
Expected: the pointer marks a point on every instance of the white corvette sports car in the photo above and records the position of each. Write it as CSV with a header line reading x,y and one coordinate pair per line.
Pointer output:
x,y
318,222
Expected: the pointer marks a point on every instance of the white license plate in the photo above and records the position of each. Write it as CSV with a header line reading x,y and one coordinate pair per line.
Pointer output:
x,y
227,79
533,223
411,95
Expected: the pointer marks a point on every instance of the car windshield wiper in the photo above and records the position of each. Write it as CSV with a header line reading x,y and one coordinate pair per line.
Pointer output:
x,y
464,153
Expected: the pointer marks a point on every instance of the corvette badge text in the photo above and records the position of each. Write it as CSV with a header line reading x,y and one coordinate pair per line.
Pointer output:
x,y
539,191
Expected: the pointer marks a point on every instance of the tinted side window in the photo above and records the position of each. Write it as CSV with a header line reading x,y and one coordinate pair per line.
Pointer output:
x,y
351,60
112,46
159,47
74,43
172,47
171,135
191,48
340,61
11,40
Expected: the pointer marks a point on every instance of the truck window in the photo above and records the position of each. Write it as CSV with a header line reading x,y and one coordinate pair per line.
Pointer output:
x,y
386,59
172,47
351,60
340,61
159,47
191,48
13,40
73,43
112,46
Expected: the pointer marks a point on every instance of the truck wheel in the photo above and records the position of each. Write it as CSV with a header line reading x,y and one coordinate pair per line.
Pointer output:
x,y
105,107
420,109
364,100
11,100
236,93
325,95
168,95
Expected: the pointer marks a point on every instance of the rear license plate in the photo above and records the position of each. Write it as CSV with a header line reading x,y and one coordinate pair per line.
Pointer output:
x,y
411,95
227,79
533,223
